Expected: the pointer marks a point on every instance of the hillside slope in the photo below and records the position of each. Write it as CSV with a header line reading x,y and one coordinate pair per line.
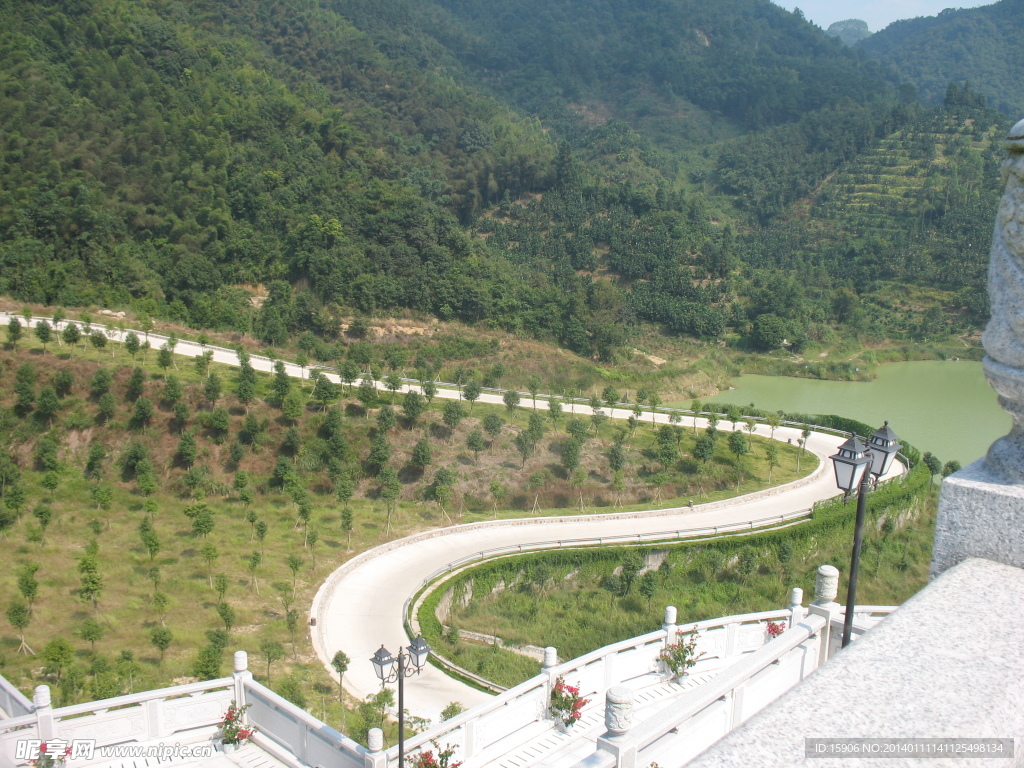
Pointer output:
x,y
983,46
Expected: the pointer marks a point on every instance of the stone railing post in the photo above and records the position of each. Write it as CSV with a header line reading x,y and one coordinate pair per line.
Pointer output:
x,y
45,723
796,606
826,587
669,624
550,657
375,757
240,677
618,719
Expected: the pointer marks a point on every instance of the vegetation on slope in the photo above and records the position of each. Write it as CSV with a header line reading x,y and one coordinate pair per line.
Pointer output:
x,y
979,46
581,600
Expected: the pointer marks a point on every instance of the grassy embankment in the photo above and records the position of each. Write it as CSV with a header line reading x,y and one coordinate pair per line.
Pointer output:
x,y
581,600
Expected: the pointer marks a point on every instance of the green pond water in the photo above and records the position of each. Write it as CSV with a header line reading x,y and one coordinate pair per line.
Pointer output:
x,y
940,406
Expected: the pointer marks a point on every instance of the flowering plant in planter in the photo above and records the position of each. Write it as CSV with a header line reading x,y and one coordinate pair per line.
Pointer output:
x,y
679,657
51,755
774,628
429,760
566,702
232,729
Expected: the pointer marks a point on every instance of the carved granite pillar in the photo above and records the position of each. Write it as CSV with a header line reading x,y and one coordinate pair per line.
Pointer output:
x,y
1004,335
981,508
618,709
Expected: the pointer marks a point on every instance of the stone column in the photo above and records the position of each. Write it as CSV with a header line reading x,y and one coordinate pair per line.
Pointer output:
x,y
550,657
374,757
796,606
669,624
618,709
826,587
44,713
981,509
240,676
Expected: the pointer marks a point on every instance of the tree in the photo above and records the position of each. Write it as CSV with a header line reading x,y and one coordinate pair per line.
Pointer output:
x,y
59,655
161,638
212,389
611,396
13,331
340,662
220,586
91,631
44,333
452,414
472,393
187,449
366,394
533,385
413,407
571,455
227,615
932,463
769,332
292,406
294,563
554,410
348,372
70,334
386,419
64,382
136,383
209,553
421,454
346,524
20,615
254,560
704,449
617,457
648,586
511,400
380,451
429,391
28,586
272,651
132,344
393,383
771,457
654,400
738,447
475,443
107,406
526,445
48,404
498,493
97,339
950,467
142,413
492,425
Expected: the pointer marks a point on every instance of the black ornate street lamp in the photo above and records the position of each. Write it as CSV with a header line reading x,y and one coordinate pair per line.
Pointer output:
x,y
390,670
859,466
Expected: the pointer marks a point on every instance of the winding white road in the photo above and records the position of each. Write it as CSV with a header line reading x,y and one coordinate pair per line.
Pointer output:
x,y
360,605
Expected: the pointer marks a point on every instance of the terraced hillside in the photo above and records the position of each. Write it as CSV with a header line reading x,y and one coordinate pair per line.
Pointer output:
x,y
906,224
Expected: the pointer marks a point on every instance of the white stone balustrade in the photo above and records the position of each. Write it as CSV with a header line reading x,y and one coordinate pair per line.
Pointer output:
x,y
751,672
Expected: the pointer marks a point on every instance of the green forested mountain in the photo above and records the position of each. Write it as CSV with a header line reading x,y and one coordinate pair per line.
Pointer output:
x,y
983,46
272,166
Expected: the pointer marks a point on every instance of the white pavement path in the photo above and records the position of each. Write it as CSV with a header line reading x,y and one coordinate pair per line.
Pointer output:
x,y
360,606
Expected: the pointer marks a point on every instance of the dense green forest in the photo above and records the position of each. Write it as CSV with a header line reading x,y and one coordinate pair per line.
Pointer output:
x,y
277,167
983,46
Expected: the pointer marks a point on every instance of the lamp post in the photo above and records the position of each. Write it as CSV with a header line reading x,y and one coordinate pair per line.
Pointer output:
x,y
855,465
390,669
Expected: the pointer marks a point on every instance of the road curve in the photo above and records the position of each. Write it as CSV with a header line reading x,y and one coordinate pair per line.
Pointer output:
x,y
359,606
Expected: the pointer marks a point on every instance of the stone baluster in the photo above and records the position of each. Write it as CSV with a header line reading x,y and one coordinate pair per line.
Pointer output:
x,y
550,657
374,756
796,606
669,624
45,722
826,587
618,719
240,677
